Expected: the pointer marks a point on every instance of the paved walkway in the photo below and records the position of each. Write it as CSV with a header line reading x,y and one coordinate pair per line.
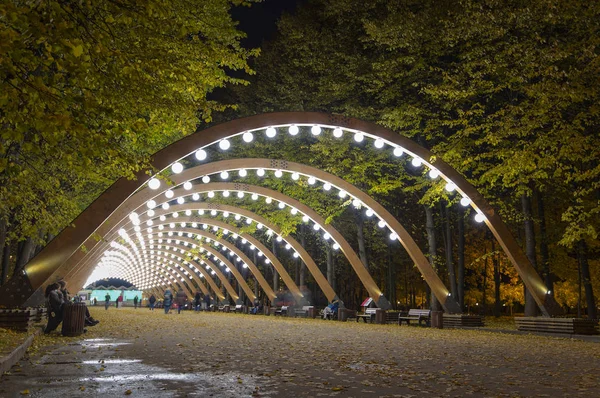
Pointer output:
x,y
149,354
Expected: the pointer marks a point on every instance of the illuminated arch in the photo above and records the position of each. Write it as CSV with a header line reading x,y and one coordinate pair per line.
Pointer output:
x,y
253,269
43,267
304,256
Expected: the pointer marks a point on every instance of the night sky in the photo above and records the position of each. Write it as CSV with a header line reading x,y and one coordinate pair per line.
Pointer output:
x,y
259,21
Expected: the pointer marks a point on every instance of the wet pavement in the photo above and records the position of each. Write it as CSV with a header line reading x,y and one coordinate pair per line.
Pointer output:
x,y
96,367
151,354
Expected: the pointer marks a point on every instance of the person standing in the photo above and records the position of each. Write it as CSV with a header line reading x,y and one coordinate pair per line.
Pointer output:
x,y
152,301
106,301
168,300
197,301
120,301
181,298
135,301
207,302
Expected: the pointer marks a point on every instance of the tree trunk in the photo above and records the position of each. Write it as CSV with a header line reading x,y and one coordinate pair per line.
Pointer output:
x,y
544,251
329,263
275,274
530,305
302,266
2,245
497,303
5,262
484,288
297,271
461,259
24,254
360,235
431,241
391,277
590,302
449,257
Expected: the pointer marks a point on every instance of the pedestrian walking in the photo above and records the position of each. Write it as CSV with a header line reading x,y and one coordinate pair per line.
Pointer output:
x,y
197,301
106,301
168,300
207,302
152,301
181,298
135,301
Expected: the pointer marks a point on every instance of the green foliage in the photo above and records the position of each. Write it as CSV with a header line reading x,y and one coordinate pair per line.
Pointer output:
x,y
90,89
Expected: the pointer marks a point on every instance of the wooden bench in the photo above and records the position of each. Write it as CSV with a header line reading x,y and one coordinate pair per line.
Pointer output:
x,y
224,308
303,312
416,315
239,308
283,310
461,321
557,325
369,314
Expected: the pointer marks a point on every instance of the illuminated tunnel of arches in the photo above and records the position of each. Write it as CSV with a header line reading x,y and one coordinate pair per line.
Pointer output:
x,y
64,252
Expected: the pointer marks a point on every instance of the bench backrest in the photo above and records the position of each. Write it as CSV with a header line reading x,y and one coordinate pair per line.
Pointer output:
x,y
370,311
417,312
284,308
238,307
307,307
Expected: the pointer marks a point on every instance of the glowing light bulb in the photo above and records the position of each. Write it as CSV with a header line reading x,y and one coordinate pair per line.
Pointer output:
x,y
224,175
201,154
242,173
211,194
294,211
281,205
416,162
358,137
177,168
479,217
225,194
450,186
315,130
381,224
434,173
254,196
268,200
295,176
342,194
398,152
260,172
224,144
327,186
278,173
154,183
151,204
369,212
316,227
293,129
195,196
150,213
356,203
465,201
305,218
169,194
206,179
337,132
393,236
247,136
180,200
336,246
312,180
271,132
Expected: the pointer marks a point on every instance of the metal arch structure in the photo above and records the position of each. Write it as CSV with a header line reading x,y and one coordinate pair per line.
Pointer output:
x,y
262,282
432,279
194,206
278,266
26,287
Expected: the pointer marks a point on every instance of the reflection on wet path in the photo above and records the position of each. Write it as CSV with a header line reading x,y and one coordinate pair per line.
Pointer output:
x,y
96,367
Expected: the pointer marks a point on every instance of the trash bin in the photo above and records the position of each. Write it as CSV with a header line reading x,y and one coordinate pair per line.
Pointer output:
x,y
267,310
380,317
344,314
312,313
437,319
73,319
